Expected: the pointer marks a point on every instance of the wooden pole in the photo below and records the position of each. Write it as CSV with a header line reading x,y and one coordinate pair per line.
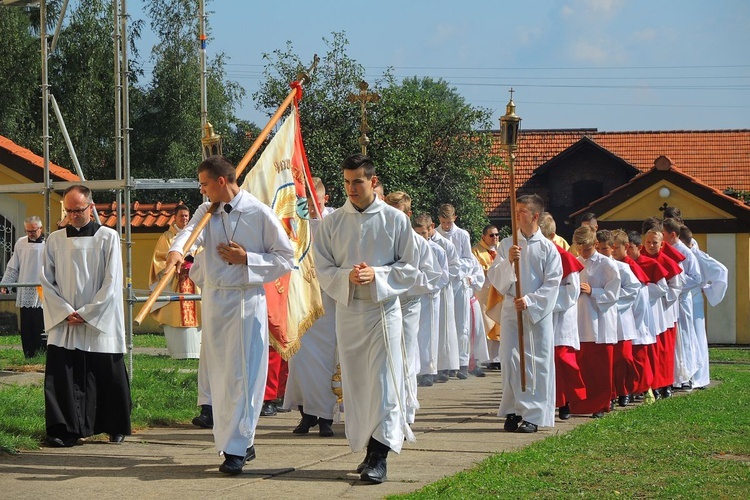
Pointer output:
x,y
168,273
516,266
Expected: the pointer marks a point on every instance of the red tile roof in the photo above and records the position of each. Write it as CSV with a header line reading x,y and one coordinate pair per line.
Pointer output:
x,y
144,217
32,159
717,158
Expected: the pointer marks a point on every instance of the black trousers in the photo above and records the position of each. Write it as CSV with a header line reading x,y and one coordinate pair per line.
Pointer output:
x,y
32,328
85,393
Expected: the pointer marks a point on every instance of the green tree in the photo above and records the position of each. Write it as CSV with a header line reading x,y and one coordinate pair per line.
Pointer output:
x,y
20,77
329,122
167,121
81,77
424,136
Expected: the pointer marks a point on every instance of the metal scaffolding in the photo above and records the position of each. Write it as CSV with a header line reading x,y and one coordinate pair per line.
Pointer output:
x,y
122,183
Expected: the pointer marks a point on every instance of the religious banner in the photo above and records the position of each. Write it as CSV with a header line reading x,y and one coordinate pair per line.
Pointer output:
x,y
278,180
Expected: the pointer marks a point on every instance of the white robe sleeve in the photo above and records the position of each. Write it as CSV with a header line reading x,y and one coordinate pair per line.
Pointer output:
x,y
394,279
629,288
606,296
570,290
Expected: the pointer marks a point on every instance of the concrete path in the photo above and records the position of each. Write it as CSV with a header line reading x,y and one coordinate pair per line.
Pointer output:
x,y
455,429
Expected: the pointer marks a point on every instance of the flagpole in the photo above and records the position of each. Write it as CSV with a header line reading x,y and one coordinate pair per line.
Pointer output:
x,y
302,78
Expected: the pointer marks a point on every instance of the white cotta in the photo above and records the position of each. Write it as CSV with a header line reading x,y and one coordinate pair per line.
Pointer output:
x,y
565,314
448,354
84,275
597,312
24,266
429,315
629,288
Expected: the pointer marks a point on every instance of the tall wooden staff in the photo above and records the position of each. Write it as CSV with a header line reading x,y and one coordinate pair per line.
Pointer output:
x,y
302,78
509,135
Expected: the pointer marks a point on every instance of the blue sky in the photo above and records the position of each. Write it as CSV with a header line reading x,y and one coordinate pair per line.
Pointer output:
x,y
608,64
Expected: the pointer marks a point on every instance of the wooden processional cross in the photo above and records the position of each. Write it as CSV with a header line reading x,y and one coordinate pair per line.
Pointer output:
x,y
363,98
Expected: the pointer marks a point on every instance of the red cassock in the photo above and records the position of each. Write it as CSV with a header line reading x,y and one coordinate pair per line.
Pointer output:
x,y
569,384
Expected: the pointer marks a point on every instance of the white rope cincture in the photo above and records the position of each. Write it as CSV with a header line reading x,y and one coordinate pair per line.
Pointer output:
x,y
411,389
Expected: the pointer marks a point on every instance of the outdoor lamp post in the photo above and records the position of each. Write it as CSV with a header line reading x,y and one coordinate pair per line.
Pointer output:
x,y
509,124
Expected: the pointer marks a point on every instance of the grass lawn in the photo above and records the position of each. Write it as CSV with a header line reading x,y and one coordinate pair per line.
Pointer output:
x,y
695,446
163,389
683,447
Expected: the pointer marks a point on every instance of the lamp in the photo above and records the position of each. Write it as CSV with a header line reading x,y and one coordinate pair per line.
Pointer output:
x,y
664,192
509,123
211,141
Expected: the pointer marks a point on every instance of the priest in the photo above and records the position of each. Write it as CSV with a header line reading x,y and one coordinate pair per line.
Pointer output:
x,y
86,385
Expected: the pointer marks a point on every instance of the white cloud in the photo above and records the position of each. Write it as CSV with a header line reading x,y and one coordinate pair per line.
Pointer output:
x,y
645,35
444,33
567,11
603,8
600,51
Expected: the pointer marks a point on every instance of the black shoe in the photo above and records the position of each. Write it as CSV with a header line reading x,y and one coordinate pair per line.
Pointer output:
x,y
478,372
375,470
452,373
425,381
279,404
305,423
565,412
232,464
527,427
250,453
206,419
442,376
363,464
598,414
612,405
666,392
623,400
268,410
324,427
56,442
463,373
116,438
511,422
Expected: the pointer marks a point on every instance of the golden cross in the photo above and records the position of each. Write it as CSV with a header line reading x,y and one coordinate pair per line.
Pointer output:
x,y
363,98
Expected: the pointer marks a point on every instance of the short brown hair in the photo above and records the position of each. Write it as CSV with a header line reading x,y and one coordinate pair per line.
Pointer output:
x,y
217,166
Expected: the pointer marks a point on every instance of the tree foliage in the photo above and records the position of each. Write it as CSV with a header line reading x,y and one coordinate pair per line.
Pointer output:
x,y
423,133
20,78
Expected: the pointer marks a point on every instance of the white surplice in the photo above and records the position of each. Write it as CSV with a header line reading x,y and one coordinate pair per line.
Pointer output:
x,y
429,315
461,289
84,275
541,271
368,317
686,344
24,267
447,357
565,313
597,312
411,309
235,317
629,289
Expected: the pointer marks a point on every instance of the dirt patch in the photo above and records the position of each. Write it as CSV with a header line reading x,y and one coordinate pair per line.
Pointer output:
x,y
731,456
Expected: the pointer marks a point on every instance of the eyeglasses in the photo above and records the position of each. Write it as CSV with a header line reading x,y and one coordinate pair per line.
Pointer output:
x,y
77,210
32,231
493,235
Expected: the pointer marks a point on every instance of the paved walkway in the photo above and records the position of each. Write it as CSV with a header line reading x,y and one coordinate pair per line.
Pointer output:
x,y
455,429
